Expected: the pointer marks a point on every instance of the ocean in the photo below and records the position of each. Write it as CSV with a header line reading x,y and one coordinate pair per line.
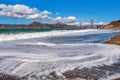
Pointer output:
x,y
15,31
39,52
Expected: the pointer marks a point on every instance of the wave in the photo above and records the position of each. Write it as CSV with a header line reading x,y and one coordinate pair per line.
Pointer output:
x,y
27,53
57,58
10,37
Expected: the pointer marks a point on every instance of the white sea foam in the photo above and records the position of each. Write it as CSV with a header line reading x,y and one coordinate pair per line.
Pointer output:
x,y
25,57
58,58
9,37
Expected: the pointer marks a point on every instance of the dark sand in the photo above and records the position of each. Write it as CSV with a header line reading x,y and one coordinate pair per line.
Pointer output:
x,y
9,77
117,79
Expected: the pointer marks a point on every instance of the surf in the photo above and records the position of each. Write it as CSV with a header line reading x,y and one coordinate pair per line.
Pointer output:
x,y
41,53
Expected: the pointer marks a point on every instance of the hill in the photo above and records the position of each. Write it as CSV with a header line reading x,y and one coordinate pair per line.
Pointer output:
x,y
36,25
113,25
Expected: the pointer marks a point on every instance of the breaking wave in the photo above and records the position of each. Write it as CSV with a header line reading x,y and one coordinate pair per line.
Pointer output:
x,y
59,51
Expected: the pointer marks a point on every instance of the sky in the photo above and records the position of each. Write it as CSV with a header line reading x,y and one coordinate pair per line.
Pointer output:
x,y
70,12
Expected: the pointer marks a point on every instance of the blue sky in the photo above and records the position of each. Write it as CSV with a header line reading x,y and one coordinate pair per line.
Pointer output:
x,y
66,11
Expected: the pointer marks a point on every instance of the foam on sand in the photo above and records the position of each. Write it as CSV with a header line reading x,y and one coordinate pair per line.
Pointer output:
x,y
21,56
58,58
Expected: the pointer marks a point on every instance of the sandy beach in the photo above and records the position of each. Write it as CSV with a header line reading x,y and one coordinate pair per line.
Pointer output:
x,y
114,40
59,40
86,73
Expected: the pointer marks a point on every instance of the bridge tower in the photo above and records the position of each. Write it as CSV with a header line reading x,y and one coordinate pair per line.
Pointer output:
x,y
92,23
80,25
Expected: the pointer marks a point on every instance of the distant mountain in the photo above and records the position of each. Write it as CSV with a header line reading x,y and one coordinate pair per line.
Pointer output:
x,y
37,25
113,25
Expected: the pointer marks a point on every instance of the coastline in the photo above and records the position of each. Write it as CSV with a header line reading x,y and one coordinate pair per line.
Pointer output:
x,y
114,40
84,73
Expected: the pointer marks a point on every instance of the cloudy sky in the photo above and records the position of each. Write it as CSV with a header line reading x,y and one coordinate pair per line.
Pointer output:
x,y
59,11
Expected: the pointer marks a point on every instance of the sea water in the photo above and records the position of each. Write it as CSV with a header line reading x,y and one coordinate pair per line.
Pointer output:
x,y
42,52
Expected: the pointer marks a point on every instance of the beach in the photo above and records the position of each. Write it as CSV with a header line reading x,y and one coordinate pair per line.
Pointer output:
x,y
114,40
59,54
59,40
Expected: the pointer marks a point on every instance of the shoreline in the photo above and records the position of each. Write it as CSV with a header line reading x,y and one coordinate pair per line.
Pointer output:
x,y
84,73
114,40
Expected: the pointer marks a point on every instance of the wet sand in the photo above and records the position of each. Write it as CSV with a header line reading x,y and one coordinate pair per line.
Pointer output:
x,y
114,40
9,77
85,73
117,79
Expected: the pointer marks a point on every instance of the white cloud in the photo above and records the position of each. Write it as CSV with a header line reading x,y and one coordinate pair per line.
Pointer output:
x,y
3,6
86,23
71,18
97,23
64,20
74,23
100,23
58,18
46,12
23,11
33,16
